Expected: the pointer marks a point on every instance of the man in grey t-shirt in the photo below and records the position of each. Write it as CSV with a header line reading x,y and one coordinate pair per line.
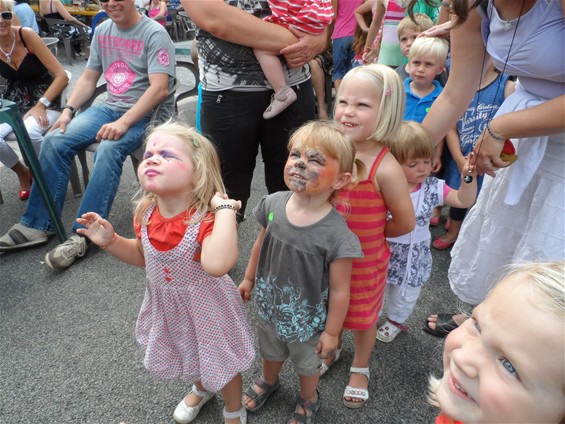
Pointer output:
x,y
137,58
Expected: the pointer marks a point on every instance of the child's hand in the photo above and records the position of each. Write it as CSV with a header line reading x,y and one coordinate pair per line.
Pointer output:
x,y
327,345
97,229
223,199
469,167
245,289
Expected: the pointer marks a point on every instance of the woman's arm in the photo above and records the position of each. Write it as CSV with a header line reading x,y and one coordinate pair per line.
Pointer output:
x,y
394,188
59,7
237,26
467,51
42,52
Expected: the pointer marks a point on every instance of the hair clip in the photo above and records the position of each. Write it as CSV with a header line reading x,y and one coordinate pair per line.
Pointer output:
x,y
388,91
195,142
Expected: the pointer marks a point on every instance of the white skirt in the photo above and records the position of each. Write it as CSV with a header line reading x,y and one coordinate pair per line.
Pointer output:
x,y
495,234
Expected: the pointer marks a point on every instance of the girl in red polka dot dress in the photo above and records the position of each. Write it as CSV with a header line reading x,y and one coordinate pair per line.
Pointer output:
x,y
192,323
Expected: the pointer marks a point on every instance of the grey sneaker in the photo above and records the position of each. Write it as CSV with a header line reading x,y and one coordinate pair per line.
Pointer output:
x,y
279,102
20,236
66,253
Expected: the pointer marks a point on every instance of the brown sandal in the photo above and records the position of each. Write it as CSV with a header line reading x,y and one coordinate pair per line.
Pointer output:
x,y
261,398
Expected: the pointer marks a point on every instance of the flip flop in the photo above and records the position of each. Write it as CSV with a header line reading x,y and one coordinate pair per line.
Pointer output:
x,y
444,325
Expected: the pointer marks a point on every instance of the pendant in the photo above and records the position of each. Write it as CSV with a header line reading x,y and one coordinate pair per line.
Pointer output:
x,y
507,25
8,59
468,179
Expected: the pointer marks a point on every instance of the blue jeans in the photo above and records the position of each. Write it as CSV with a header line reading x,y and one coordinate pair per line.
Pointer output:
x,y
343,55
59,149
233,121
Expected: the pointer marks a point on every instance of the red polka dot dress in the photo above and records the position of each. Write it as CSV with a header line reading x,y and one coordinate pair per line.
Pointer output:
x,y
191,325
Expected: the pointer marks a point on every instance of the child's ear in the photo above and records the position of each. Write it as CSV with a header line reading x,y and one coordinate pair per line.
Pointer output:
x,y
342,181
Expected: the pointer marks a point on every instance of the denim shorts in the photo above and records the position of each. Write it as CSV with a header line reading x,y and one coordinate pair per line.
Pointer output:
x,y
303,354
343,55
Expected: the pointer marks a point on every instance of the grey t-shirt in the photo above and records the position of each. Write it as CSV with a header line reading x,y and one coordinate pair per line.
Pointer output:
x,y
127,58
291,282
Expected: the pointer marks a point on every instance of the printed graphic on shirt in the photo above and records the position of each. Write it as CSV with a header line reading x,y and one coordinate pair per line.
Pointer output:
x,y
128,48
287,309
163,57
119,77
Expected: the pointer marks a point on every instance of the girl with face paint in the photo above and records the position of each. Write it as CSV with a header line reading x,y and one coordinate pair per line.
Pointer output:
x,y
300,266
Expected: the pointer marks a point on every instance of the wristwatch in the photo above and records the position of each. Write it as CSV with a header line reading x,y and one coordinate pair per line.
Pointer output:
x,y
44,102
72,109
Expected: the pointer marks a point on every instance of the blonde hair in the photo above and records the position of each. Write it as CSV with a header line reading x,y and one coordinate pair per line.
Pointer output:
x,y
207,178
434,47
545,282
7,5
328,137
413,142
421,23
391,102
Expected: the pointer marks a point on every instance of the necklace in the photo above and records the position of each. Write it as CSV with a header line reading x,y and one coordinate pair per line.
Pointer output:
x,y
9,55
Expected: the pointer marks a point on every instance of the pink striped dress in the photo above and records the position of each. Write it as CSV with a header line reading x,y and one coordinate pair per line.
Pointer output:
x,y
390,53
310,16
365,211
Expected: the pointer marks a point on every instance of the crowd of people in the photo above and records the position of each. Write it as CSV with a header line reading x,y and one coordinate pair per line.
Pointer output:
x,y
344,229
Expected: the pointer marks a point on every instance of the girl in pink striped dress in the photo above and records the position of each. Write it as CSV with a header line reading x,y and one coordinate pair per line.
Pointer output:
x,y
310,16
369,110
192,323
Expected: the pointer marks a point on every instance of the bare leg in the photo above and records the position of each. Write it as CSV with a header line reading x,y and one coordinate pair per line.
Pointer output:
x,y
272,68
453,231
364,343
271,370
319,84
231,393
24,176
308,390
192,399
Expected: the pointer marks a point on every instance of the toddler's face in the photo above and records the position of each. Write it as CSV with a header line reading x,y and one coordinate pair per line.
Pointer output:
x,y
506,363
309,170
167,168
417,170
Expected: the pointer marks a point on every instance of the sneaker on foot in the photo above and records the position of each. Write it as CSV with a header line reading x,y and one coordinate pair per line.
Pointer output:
x,y
20,236
279,102
66,253
388,332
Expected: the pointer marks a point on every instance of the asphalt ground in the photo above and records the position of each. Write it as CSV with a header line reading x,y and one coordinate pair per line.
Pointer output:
x,y
68,352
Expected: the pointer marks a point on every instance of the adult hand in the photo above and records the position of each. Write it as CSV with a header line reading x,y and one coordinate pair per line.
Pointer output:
x,y
40,115
442,31
112,131
307,47
487,152
62,122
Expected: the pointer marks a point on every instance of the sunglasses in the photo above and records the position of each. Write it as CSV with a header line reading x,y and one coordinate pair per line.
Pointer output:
x,y
6,16
107,1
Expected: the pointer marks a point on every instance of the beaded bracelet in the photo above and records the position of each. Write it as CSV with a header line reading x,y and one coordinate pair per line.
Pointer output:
x,y
494,136
220,207
111,241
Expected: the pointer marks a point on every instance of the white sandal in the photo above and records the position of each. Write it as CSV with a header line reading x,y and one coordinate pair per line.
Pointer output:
x,y
185,414
388,332
241,414
325,367
356,393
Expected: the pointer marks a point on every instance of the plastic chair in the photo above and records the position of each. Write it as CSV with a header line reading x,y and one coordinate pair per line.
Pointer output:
x,y
187,27
136,156
57,28
51,43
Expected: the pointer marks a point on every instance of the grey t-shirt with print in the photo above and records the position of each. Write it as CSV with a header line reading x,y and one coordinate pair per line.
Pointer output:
x,y
292,278
127,58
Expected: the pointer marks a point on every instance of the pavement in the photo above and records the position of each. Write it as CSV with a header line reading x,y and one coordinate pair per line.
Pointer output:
x,y
68,352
